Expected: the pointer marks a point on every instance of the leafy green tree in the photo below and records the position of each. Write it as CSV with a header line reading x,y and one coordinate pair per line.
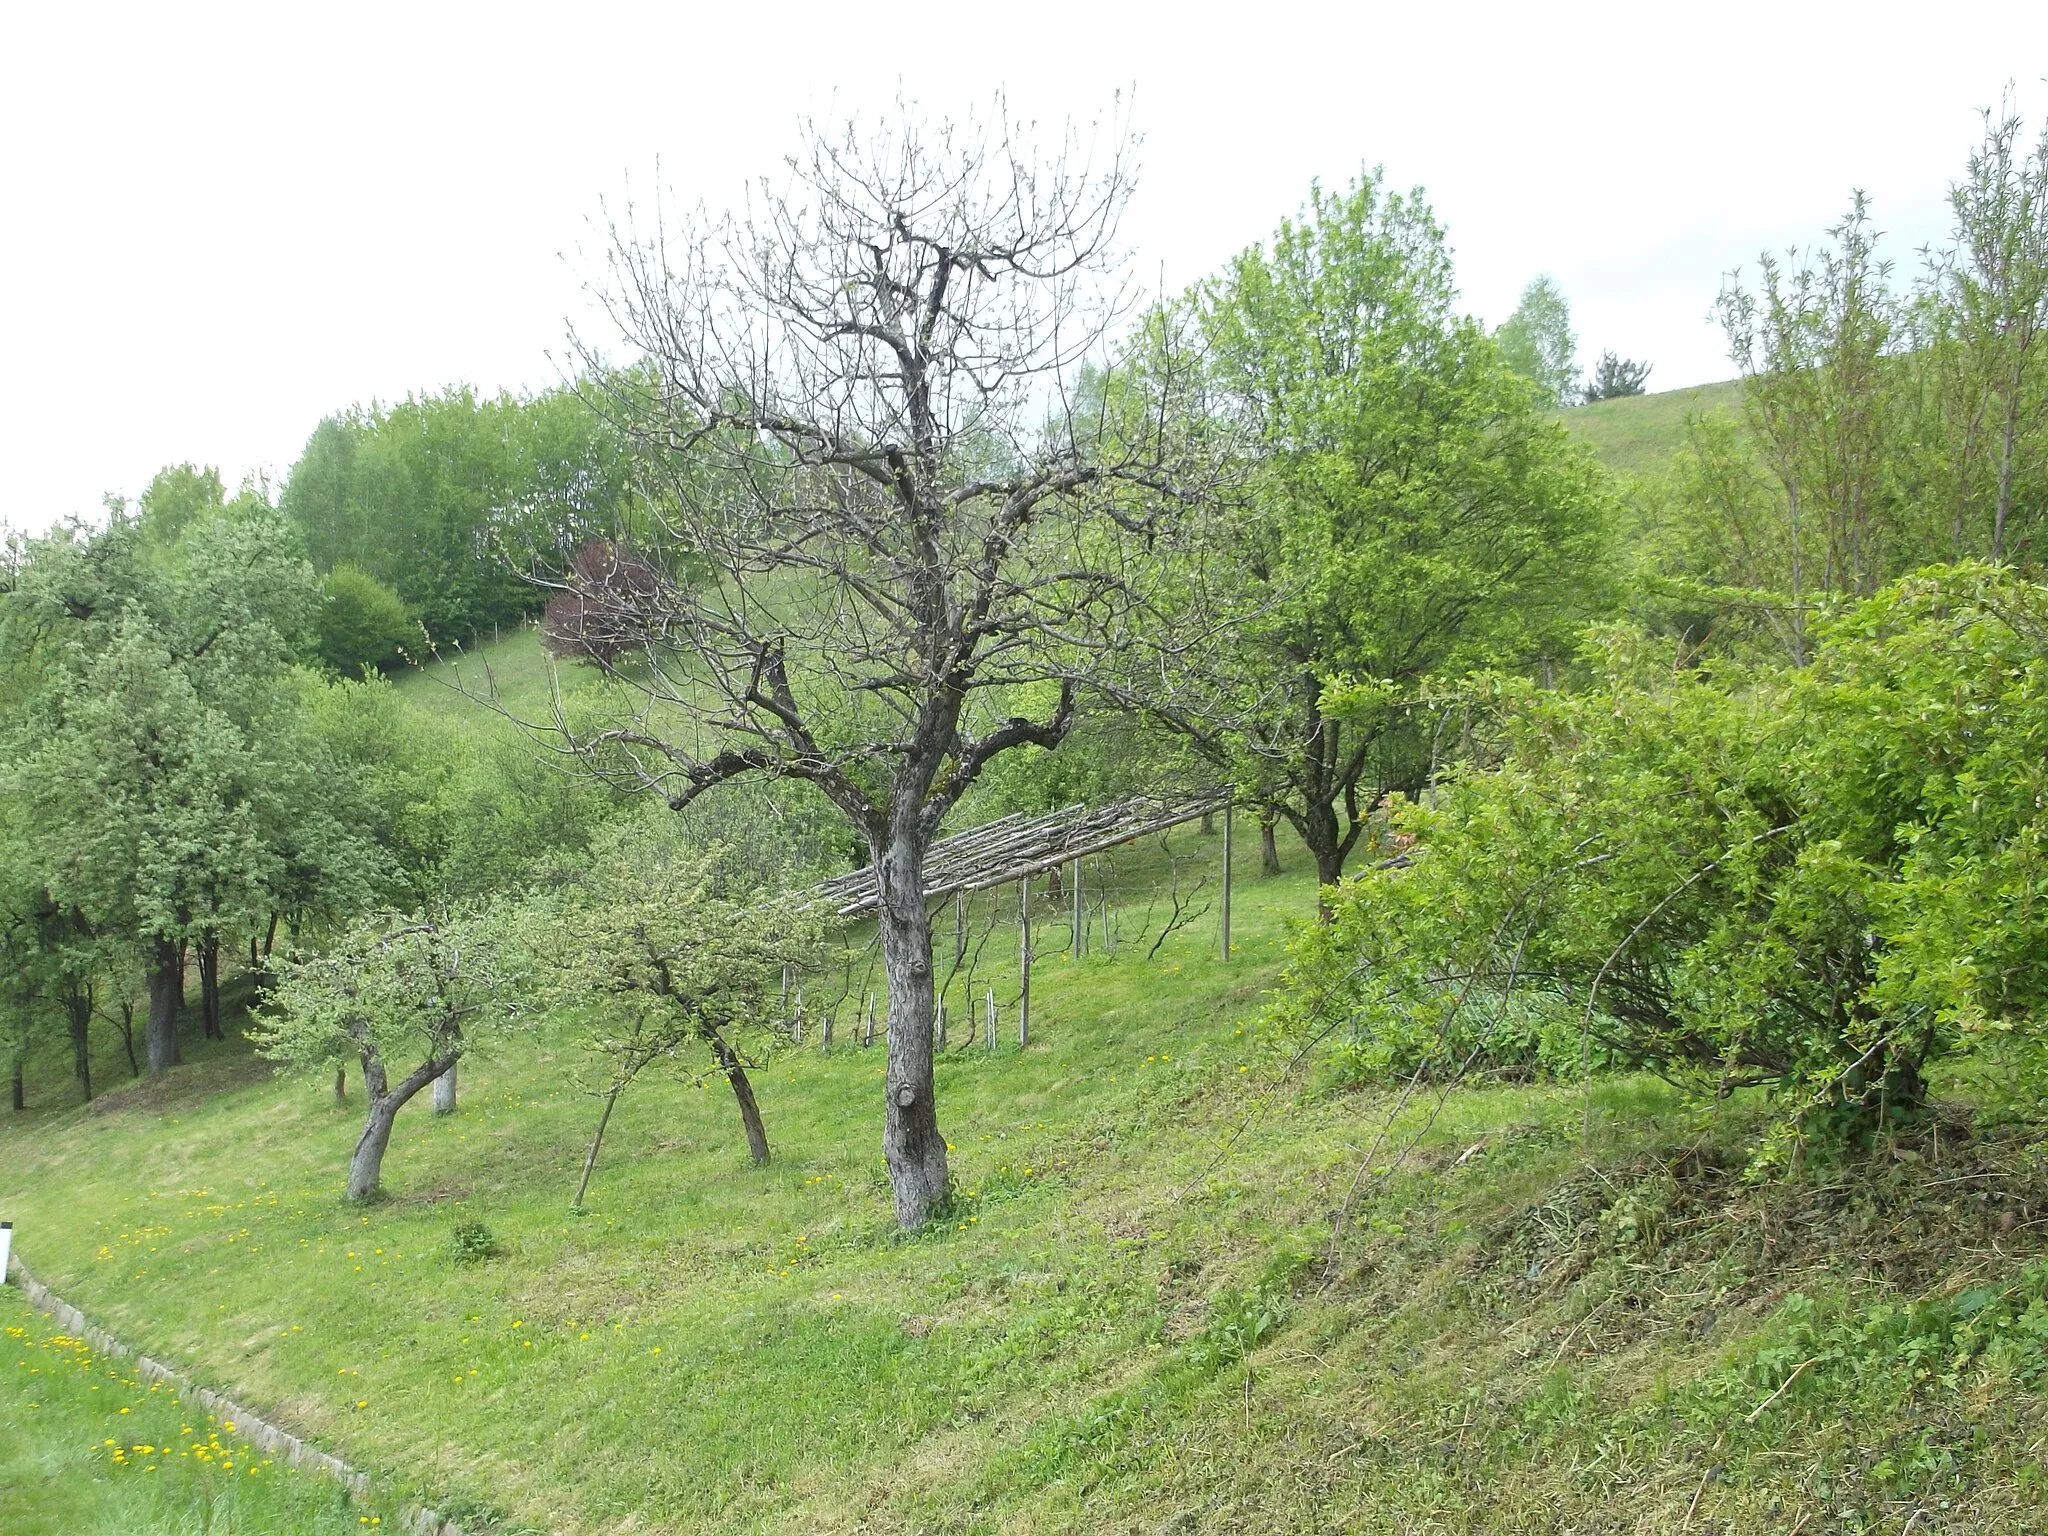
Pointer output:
x,y
406,994
1537,341
177,497
169,796
1411,512
1816,341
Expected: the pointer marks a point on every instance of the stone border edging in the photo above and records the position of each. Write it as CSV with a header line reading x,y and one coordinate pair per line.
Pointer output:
x,y
417,1520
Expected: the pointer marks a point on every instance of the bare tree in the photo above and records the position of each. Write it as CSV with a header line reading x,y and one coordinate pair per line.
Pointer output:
x,y
892,531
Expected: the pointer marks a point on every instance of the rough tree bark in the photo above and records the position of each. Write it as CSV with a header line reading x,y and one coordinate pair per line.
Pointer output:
x,y
209,985
78,1013
1269,847
742,1091
444,1093
912,1145
366,1166
165,988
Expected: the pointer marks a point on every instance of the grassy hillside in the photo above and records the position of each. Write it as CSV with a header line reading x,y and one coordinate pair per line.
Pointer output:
x,y
1136,1318
1639,433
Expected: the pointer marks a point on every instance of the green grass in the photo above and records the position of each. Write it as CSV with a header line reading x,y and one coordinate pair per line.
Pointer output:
x,y
86,1447
1136,1318
1639,434
522,673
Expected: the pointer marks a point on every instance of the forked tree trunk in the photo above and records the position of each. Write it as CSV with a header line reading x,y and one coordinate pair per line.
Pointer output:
x,y
912,1147
366,1166
164,990
743,1091
1269,847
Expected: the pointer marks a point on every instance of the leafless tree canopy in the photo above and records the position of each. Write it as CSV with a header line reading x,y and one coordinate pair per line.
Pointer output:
x,y
904,502
883,479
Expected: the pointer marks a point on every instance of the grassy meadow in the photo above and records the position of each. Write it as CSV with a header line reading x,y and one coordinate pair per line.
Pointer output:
x,y
1135,1318
1638,434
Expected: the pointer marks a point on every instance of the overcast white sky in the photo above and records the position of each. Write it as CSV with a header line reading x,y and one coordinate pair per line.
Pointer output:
x,y
219,224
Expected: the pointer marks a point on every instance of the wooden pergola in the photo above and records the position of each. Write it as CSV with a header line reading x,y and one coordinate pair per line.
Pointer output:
x,y
1011,849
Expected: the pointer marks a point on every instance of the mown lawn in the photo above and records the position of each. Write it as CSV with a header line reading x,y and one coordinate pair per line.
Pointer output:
x,y
1135,1320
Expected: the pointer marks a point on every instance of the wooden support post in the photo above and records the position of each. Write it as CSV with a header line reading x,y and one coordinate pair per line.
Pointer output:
x,y
959,928
1024,997
825,1034
796,1020
1080,925
941,1033
867,1025
991,1018
1226,884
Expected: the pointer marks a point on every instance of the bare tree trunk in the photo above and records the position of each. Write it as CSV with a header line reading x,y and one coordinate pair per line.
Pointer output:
x,y
184,951
1269,847
78,1011
341,1085
127,1028
365,1167
164,992
743,1091
444,1093
20,1089
596,1141
209,985
1998,514
912,1146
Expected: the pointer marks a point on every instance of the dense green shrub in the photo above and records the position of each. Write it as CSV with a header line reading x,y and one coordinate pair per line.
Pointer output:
x,y
1814,880
363,623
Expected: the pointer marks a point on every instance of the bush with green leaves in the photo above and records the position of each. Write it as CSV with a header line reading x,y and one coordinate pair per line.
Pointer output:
x,y
1812,880
363,623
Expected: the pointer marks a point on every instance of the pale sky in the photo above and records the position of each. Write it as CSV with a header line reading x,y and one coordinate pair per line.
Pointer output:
x,y
219,224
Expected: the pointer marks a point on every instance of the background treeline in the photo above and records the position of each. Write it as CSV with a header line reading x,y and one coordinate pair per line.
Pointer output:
x,y
424,517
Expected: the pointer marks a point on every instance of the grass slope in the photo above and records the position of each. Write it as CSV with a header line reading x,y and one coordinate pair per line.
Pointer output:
x,y
1638,434
1135,1320
86,1447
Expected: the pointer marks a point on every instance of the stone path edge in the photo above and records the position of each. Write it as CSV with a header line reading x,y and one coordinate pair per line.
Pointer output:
x,y
417,1520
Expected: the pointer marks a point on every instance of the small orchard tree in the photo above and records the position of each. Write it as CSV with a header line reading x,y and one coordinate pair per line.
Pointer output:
x,y
411,994
668,957
888,546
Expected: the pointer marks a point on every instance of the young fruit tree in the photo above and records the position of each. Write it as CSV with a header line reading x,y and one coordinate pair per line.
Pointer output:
x,y
666,955
887,544
396,993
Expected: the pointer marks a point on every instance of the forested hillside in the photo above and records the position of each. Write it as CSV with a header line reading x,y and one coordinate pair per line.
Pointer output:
x,y
1591,1076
